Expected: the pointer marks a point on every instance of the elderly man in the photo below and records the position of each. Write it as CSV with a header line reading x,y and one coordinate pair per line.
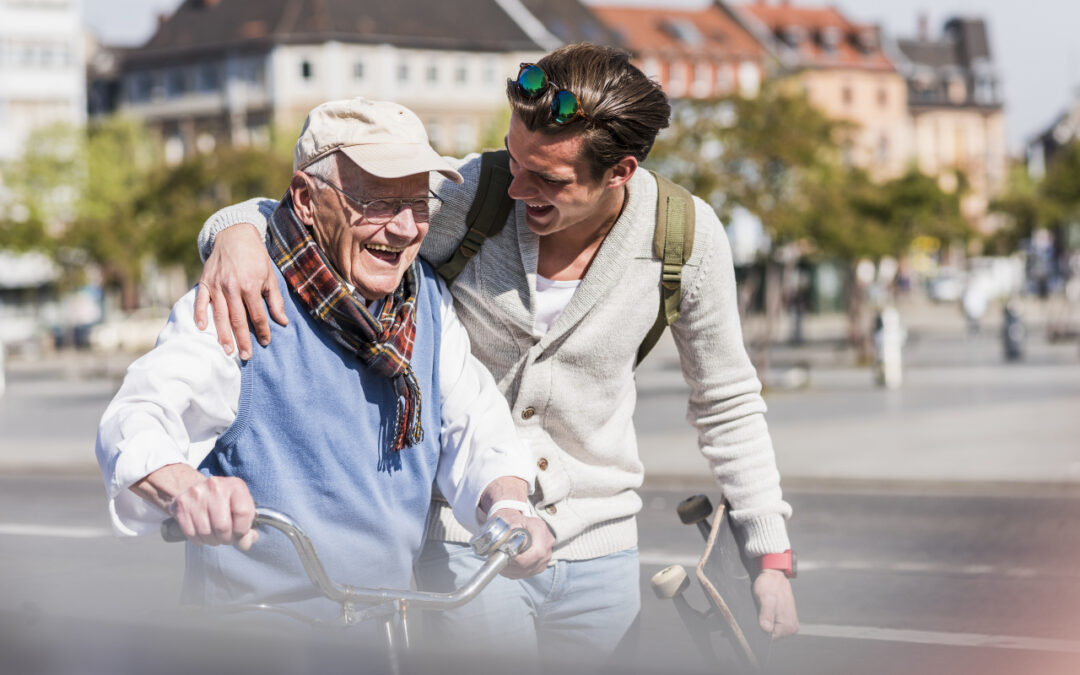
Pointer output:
x,y
558,304
365,400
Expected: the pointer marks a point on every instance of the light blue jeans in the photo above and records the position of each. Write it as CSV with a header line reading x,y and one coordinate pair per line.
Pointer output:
x,y
575,611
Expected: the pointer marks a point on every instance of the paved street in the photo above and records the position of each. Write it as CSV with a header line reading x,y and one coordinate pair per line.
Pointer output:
x,y
935,523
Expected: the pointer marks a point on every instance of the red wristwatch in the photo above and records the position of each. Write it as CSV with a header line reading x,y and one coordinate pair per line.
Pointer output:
x,y
785,562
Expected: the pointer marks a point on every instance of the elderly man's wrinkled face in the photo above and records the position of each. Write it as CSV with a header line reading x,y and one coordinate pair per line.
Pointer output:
x,y
372,256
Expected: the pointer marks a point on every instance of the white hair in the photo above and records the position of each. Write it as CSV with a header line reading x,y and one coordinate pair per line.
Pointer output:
x,y
324,167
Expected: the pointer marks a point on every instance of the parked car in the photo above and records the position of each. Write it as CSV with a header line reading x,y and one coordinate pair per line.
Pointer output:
x,y
134,332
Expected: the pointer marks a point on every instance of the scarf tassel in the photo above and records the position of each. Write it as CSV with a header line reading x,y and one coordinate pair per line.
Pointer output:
x,y
408,430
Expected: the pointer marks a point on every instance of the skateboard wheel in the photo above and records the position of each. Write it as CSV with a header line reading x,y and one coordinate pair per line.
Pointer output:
x,y
670,581
694,509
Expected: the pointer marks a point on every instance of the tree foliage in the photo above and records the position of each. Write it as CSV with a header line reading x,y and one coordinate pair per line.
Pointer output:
x,y
104,194
770,155
177,200
778,157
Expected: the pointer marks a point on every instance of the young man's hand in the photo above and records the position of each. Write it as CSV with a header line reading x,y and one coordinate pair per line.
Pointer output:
x,y
238,280
777,604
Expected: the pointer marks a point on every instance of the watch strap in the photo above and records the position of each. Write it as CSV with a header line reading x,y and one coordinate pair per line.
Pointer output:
x,y
785,562
515,504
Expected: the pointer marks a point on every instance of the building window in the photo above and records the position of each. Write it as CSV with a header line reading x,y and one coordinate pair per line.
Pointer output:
x,y
175,83
403,72
461,74
676,78
847,95
750,79
725,80
957,89
463,135
434,129
358,70
883,149
883,97
432,74
307,70
207,79
140,89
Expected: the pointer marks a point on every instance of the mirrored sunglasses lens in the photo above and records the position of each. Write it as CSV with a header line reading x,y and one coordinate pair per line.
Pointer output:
x,y
532,80
564,107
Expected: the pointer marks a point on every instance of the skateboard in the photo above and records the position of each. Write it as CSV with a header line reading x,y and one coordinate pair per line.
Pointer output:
x,y
726,575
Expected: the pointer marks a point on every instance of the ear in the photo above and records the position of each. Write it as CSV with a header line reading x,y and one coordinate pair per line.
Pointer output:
x,y
621,173
301,189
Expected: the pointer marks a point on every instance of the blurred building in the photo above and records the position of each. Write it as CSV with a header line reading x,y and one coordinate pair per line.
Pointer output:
x,y
845,72
41,69
232,70
692,53
956,105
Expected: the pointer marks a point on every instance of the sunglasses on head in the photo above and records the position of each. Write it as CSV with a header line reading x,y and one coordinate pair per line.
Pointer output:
x,y
565,106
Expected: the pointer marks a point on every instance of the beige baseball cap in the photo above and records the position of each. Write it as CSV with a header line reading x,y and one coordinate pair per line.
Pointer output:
x,y
383,138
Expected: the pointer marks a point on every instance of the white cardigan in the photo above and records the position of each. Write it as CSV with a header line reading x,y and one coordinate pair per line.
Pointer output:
x,y
572,392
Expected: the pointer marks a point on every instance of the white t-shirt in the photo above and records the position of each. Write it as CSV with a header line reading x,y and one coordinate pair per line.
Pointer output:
x,y
552,297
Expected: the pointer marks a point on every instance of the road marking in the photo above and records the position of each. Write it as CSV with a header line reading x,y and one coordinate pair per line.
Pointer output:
x,y
944,639
663,559
24,530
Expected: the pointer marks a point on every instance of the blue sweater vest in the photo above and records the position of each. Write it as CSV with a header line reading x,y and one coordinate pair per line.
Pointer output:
x,y
311,439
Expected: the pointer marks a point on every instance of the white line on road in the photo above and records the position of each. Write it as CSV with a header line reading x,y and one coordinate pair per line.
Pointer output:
x,y
25,530
663,559
944,639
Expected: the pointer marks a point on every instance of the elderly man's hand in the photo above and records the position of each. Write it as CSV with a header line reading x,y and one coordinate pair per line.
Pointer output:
x,y
777,604
536,557
238,279
217,511
210,511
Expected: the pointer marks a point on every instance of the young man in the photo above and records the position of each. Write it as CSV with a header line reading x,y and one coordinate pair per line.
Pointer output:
x,y
365,400
557,304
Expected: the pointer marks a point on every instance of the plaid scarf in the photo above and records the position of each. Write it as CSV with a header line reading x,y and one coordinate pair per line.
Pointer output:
x,y
384,345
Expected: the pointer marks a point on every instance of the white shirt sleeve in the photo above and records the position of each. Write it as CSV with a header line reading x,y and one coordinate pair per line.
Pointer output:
x,y
177,399
173,404
479,442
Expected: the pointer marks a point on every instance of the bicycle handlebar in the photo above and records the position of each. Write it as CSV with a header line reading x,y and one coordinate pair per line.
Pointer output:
x,y
496,541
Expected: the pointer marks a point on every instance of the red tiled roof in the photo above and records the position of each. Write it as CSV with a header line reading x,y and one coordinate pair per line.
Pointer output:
x,y
647,30
815,22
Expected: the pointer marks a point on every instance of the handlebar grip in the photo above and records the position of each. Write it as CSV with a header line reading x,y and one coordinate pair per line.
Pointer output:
x,y
171,532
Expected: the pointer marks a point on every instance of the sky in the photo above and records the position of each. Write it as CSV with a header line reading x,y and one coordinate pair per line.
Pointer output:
x,y
1032,41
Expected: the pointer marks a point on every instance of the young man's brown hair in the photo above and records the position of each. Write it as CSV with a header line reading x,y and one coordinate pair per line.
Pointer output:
x,y
624,110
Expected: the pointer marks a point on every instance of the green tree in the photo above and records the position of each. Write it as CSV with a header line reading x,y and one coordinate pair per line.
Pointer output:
x,y
179,199
117,155
1025,208
775,156
42,189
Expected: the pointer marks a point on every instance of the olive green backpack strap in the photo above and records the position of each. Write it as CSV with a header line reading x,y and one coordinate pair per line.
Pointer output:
x,y
673,242
488,212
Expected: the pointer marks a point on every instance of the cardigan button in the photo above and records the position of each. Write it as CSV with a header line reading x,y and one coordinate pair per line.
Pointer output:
x,y
552,509
542,464
527,413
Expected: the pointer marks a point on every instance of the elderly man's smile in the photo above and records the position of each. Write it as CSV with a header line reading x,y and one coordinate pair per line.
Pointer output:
x,y
387,254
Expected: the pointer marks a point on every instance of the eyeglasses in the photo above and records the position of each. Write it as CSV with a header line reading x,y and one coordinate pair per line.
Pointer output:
x,y
382,211
565,106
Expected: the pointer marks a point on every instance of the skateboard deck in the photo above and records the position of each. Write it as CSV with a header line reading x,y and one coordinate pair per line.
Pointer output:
x,y
726,574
